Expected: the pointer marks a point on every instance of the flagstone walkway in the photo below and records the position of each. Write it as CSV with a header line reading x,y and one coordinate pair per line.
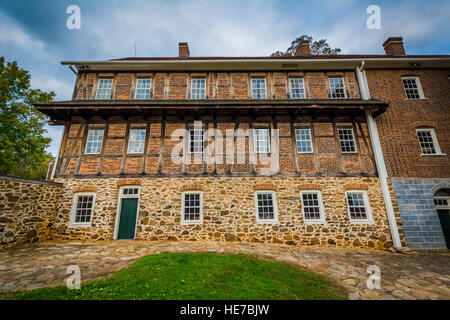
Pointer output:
x,y
403,276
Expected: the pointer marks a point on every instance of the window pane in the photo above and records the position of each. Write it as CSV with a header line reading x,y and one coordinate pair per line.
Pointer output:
x,y
311,206
83,211
265,206
337,88
259,88
143,89
136,141
426,142
304,141
261,140
356,206
411,88
198,88
104,89
196,140
346,140
297,88
192,207
94,141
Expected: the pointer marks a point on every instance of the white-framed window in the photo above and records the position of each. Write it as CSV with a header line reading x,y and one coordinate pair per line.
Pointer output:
x,y
104,89
196,140
191,207
259,88
261,140
358,206
347,140
94,141
297,88
143,89
136,141
412,87
312,206
198,88
82,209
428,142
130,191
303,140
266,206
337,88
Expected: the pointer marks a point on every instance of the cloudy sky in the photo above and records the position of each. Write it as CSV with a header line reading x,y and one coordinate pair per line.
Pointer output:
x,y
34,33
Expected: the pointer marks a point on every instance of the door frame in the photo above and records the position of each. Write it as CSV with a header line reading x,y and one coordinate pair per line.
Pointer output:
x,y
442,207
119,208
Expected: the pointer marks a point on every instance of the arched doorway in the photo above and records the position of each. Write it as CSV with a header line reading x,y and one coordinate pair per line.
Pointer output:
x,y
442,202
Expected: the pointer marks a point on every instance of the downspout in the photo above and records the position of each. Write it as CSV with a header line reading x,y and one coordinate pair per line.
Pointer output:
x,y
378,155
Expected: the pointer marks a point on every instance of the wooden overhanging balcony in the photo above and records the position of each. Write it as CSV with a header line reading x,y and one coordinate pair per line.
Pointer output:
x,y
61,111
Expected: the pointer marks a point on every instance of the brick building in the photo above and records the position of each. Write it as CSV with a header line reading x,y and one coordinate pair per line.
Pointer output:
x,y
263,149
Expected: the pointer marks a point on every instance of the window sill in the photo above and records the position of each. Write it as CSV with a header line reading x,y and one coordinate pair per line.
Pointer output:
x,y
417,99
355,152
314,221
311,152
433,155
135,153
362,221
185,223
267,221
79,225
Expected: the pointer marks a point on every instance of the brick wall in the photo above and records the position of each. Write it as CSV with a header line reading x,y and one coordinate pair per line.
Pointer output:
x,y
219,85
397,126
28,210
326,158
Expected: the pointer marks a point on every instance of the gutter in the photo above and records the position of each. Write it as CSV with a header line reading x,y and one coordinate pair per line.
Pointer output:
x,y
379,159
356,60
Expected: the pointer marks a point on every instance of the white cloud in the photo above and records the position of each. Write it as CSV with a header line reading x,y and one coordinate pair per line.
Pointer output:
x,y
211,28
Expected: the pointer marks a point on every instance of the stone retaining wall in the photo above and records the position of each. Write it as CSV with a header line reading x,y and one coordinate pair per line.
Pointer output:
x,y
27,210
229,211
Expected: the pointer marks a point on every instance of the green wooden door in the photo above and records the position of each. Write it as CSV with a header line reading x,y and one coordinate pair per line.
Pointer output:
x,y
444,217
127,224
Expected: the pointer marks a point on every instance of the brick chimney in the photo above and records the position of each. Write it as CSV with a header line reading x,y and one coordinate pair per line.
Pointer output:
x,y
183,50
393,46
303,49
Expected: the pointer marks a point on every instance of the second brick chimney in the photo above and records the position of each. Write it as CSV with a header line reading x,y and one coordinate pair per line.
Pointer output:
x,y
393,46
183,50
303,49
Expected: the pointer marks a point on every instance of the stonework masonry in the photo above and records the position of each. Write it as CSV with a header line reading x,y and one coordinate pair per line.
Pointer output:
x,y
27,210
418,212
229,211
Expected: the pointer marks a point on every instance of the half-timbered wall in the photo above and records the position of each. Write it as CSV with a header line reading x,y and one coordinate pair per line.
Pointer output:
x,y
219,85
326,159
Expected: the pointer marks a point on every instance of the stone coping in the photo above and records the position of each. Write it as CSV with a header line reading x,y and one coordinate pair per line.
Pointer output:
x,y
31,181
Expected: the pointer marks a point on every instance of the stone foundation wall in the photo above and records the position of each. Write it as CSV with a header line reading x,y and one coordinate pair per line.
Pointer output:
x,y
229,211
27,210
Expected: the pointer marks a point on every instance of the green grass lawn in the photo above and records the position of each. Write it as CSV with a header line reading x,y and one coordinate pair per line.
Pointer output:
x,y
185,276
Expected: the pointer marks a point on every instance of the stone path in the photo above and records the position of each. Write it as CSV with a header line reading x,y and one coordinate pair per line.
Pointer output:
x,y
403,276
